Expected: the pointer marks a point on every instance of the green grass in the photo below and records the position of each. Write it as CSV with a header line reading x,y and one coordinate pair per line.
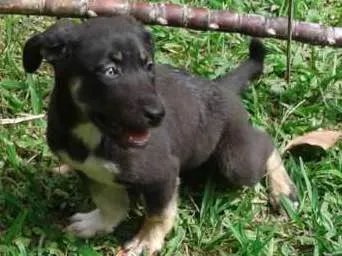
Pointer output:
x,y
34,204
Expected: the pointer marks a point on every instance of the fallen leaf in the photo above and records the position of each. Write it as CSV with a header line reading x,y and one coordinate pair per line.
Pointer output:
x,y
313,143
323,138
62,169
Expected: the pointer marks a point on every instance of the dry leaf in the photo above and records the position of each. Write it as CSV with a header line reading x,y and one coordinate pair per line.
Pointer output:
x,y
313,143
62,169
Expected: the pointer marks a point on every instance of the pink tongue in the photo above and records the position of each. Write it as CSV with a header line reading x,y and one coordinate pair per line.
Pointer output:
x,y
138,137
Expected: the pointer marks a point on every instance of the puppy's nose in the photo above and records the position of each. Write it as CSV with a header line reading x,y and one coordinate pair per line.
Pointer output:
x,y
154,114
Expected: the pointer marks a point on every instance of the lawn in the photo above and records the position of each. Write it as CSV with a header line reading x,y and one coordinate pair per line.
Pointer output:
x,y
35,204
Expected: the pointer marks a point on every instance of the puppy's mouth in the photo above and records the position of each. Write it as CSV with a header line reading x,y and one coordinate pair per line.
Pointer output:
x,y
138,138
134,137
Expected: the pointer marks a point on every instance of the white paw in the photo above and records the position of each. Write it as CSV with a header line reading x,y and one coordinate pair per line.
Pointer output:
x,y
89,224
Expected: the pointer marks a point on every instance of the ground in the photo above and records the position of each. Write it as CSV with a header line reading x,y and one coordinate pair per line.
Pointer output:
x,y
35,204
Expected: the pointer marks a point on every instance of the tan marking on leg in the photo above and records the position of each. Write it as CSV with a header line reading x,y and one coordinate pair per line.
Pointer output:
x,y
153,232
279,181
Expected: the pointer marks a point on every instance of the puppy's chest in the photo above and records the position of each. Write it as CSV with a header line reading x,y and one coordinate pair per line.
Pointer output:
x,y
95,167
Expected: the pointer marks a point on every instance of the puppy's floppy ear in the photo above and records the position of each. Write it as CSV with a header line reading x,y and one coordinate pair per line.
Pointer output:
x,y
54,45
148,41
31,54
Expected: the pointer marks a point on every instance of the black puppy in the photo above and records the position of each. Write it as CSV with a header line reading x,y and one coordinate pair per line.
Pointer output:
x,y
129,124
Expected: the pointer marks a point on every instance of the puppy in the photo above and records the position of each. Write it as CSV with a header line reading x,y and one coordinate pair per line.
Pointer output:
x,y
129,124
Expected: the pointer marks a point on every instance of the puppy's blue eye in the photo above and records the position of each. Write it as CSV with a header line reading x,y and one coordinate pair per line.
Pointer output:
x,y
111,71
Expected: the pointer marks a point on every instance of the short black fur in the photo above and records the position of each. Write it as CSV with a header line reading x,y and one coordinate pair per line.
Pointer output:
x,y
191,120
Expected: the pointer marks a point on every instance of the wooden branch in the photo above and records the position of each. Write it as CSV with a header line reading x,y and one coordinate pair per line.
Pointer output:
x,y
181,16
289,39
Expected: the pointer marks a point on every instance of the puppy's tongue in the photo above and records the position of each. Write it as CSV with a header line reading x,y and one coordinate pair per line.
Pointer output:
x,y
138,138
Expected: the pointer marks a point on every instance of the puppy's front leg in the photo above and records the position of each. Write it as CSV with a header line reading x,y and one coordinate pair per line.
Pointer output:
x,y
161,207
112,205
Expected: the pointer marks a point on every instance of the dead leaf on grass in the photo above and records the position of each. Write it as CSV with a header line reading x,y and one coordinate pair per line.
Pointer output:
x,y
313,144
61,170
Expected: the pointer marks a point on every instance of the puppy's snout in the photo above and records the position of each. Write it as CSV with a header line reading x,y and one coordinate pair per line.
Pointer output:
x,y
154,114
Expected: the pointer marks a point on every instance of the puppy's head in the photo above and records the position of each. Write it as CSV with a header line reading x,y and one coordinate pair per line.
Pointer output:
x,y
107,65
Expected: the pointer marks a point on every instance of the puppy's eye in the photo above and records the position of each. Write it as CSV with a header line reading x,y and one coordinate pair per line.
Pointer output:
x,y
111,72
149,66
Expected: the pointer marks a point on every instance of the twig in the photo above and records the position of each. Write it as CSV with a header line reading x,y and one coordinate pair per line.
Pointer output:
x,y
20,119
289,39
181,16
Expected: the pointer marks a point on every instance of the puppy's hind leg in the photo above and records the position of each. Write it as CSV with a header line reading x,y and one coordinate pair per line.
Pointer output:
x,y
245,157
241,155
279,181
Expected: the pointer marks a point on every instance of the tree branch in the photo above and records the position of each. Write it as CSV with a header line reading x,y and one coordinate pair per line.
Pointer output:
x,y
181,16
289,40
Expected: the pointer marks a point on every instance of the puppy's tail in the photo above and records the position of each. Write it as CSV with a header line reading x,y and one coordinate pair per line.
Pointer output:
x,y
237,80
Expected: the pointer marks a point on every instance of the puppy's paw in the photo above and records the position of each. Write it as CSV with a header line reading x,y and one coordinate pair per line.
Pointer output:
x,y
138,246
86,225
290,193
149,240
279,182
151,246
283,187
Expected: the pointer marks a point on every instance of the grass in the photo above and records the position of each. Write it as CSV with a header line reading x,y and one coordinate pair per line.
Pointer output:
x,y
34,204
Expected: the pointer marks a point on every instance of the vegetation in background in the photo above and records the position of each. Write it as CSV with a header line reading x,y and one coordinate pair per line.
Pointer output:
x,y
35,204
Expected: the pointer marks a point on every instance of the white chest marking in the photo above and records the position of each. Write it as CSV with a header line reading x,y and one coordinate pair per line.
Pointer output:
x,y
95,168
89,134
